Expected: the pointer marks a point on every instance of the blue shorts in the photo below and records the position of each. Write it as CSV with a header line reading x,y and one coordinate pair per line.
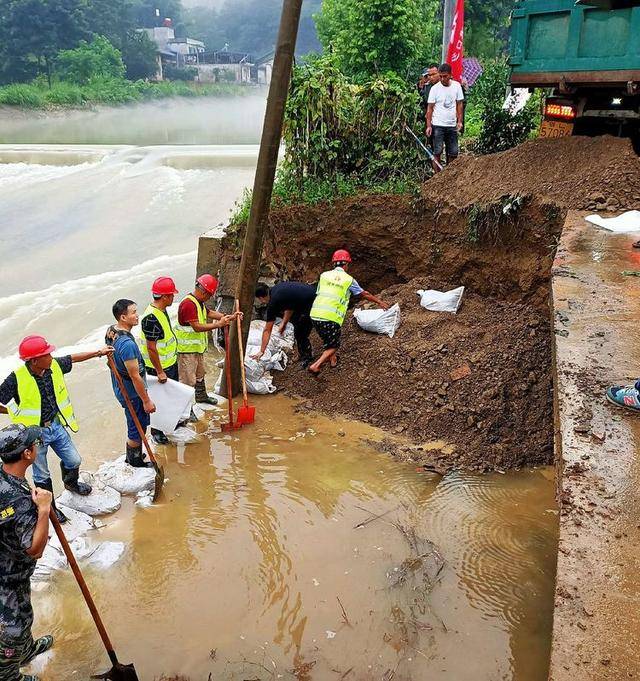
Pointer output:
x,y
143,417
446,138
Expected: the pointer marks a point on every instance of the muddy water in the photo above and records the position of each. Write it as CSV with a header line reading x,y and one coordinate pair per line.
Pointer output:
x,y
238,571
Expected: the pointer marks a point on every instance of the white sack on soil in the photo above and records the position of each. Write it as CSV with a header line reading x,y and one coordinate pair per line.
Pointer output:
x,y
276,342
124,478
77,524
627,222
379,321
184,435
438,301
172,399
101,501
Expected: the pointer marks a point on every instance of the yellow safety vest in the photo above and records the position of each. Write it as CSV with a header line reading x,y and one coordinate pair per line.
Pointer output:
x,y
332,297
188,339
29,411
167,347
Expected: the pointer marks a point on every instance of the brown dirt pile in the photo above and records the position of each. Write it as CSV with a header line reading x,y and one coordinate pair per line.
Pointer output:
x,y
571,172
479,380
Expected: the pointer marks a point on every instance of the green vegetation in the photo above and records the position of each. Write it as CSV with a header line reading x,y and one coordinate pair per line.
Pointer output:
x,y
107,91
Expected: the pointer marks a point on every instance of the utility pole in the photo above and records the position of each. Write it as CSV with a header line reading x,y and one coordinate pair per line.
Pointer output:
x,y
265,175
447,22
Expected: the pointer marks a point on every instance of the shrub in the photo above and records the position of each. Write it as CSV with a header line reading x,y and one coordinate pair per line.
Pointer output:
x,y
65,94
187,73
24,94
97,59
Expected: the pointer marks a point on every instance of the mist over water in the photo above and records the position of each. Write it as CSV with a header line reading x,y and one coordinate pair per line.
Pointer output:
x,y
201,120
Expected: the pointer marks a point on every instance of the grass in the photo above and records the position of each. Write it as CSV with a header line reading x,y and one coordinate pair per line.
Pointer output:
x,y
107,91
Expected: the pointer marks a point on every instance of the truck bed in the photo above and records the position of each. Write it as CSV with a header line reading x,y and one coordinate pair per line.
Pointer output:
x,y
555,42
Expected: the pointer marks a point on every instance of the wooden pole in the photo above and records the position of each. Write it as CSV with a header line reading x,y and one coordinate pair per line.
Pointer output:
x,y
265,175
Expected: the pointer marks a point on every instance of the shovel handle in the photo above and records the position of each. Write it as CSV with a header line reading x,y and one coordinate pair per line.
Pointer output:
x,y
227,371
143,437
241,353
75,568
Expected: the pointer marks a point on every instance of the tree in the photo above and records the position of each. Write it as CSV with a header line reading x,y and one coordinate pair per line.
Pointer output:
x,y
139,56
373,37
99,58
34,31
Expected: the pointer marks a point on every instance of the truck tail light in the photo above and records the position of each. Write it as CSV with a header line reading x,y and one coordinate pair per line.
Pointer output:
x,y
565,112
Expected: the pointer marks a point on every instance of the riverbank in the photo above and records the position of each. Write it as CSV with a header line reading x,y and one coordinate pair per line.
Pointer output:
x,y
65,96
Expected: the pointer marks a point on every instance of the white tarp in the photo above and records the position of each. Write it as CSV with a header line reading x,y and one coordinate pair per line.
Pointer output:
x,y
101,501
439,301
379,321
172,399
124,478
627,222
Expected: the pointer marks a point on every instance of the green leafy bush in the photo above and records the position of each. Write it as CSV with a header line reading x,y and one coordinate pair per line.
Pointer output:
x,y
64,94
97,59
26,95
186,73
497,129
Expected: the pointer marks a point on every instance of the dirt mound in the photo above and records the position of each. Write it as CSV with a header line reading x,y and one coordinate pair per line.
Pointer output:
x,y
471,390
571,172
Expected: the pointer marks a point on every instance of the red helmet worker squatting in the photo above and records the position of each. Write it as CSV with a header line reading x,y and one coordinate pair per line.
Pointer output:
x,y
34,346
341,256
164,286
208,283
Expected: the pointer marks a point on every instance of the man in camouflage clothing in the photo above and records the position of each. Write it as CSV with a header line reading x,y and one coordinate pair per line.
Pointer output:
x,y
24,530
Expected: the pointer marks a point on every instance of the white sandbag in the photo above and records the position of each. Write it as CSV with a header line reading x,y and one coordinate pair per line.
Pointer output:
x,y
276,342
172,399
145,499
105,554
184,435
52,559
277,361
124,478
264,386
379,321
438,301
101,501
77,525
627,222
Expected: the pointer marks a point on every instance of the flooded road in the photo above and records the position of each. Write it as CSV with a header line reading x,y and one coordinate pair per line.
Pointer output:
x,y
238,571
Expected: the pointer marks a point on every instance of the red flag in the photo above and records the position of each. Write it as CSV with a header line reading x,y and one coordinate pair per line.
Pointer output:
x,y
456,41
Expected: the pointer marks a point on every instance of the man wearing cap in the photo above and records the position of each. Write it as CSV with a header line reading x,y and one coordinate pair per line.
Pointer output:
x,y
158,341
192,334
329,310
24,532
36,395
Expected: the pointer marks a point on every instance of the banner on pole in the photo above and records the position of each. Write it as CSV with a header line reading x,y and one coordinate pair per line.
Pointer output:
x,y
455,52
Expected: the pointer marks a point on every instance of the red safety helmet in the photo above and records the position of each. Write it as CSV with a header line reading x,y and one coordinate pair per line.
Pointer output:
x,y
208,283
34,346
341,256
163,286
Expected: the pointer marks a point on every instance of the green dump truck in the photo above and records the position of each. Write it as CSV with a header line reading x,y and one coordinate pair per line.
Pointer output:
x,y
587,54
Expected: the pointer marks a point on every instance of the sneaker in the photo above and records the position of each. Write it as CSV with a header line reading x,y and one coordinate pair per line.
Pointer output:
x,y
40,646
29,677
628,398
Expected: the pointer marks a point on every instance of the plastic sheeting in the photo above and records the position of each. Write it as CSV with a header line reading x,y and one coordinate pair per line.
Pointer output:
x,y
173,402
627,222
439,301
379,321
124,478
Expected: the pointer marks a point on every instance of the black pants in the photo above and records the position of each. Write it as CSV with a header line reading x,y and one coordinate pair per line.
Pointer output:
x,y
172,371
302,330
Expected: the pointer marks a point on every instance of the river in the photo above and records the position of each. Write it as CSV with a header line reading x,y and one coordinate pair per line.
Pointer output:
x,y
237,572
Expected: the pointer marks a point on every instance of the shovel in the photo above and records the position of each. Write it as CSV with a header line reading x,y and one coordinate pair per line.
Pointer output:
x,y
159,481
246,414
119,671
424,148
227,370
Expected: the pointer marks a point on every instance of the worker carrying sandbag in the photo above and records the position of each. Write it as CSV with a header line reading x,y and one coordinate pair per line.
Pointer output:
x,y
36,394
192,334
329,310
24,532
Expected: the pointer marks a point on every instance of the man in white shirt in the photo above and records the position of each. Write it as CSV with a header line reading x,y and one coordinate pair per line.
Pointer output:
x,y
445,114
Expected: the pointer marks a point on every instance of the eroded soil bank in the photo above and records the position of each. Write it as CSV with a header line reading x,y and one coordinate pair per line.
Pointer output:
x,y
472,390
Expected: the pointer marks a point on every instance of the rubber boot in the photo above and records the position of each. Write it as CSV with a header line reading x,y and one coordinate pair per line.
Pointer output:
x,y
134,458
202,395
159,437
72,482
48,485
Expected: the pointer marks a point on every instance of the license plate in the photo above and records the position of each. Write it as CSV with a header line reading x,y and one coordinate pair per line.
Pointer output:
x,y
556,129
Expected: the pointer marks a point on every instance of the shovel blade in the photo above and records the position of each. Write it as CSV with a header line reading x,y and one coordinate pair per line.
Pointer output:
x,y
119,672
246,414
226,427
158,483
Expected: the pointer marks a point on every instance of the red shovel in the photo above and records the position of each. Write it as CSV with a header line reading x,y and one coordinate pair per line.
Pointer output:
x,y
227,370
246,413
